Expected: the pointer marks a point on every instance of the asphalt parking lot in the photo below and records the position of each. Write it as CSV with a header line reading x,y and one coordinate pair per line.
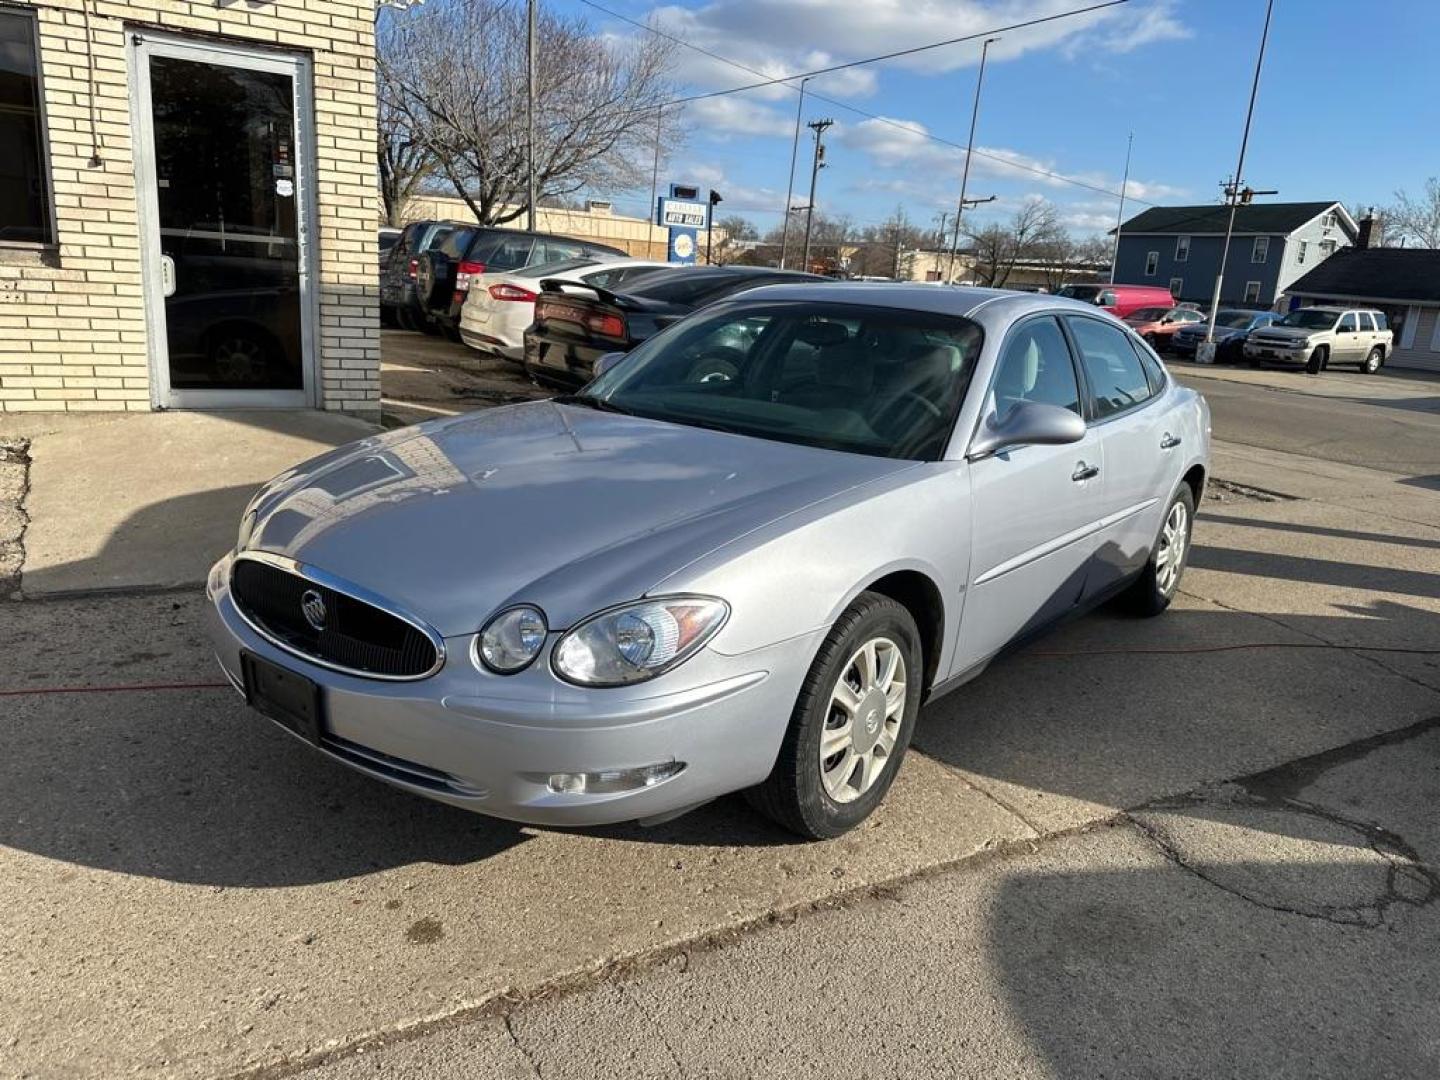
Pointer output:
x,y
1199,846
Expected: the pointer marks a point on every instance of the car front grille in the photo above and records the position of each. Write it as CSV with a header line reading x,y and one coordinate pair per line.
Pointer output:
x,y
341,631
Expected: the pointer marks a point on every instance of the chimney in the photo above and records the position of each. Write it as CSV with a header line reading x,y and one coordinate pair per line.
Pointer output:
x,y
1372,231
601,207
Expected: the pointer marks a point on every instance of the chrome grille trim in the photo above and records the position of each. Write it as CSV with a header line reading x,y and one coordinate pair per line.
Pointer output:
x,y
347,588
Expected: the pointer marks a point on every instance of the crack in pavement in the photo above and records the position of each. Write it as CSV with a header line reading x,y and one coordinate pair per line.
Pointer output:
x,y
1408,880
655,1025
519,1047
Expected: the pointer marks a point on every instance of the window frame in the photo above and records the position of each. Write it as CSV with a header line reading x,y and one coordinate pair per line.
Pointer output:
x,y
1077,358
52,221
1182,250
1248,299
1260,251
1152,263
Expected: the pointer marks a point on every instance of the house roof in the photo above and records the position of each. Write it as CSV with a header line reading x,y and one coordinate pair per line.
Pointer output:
x,y
1375,274
1282,218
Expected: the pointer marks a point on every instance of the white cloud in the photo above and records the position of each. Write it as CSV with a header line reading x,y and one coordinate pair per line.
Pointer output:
x,y
723,116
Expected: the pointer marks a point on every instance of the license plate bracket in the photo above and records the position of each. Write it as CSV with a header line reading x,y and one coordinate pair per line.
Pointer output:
x,y
284,696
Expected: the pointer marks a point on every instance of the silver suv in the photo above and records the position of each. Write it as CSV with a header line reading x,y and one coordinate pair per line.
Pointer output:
x,y
1317,336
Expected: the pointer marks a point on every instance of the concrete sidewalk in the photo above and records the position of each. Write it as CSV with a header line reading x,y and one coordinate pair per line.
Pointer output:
x,y
147,500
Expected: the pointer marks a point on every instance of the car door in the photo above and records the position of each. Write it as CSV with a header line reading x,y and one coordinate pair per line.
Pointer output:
x,y
1138,440
1348,346
1034,509
1369,335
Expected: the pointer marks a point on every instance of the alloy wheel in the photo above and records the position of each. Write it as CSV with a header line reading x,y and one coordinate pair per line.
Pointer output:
x,y
863,721
1174,538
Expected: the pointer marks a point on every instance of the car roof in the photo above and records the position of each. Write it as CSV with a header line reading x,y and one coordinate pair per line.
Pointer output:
x,y
917,296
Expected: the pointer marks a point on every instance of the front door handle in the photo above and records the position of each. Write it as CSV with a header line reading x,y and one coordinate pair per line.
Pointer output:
x,y
1084,472
1169,442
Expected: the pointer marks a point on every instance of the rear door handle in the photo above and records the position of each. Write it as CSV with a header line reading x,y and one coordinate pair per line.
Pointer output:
x,y
1169,442
1084,472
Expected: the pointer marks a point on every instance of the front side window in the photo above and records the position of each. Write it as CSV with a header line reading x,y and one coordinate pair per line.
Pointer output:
x,y
1117,379
1152,260
24,187
1036,367
1261,251
876,381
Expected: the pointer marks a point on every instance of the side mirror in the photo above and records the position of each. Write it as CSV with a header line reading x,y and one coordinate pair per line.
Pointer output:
x,y
1029,424
605,361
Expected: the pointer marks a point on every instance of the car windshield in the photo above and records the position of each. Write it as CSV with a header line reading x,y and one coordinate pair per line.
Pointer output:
x,y
1309,319
1080,292
558,267
868,380
1148,314
1234,320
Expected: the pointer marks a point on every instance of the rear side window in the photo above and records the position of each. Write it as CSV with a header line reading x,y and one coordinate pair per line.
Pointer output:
x,y
1036,367
456,243
1348,325
1154,373
1117,379
1381,323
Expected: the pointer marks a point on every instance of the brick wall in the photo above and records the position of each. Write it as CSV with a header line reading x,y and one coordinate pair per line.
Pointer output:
x,y
72,322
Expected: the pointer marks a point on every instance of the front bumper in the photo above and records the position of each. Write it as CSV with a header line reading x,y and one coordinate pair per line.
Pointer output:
x,y
489,743
1275,351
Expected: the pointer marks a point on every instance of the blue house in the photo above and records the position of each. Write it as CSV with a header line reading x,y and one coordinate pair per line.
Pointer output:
x,y
1272,245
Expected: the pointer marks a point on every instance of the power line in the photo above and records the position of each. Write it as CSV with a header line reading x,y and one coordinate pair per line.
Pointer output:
x,y
909,130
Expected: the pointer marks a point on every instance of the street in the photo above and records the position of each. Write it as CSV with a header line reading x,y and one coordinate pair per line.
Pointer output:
x,y
1198,846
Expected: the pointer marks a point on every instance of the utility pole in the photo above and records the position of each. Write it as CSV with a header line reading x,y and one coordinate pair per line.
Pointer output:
x,y
655,169
955,244
1232,191
1120,214
790,184
530,17
969,148
899,225
819,127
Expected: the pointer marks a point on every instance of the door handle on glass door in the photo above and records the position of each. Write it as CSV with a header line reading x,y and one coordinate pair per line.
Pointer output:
x,y
1084,472
1169,442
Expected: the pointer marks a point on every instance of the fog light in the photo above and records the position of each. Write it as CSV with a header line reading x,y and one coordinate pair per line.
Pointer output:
x,y
611,781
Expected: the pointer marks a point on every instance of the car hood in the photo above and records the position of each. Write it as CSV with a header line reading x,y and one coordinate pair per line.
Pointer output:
x,y
1285,333
556,505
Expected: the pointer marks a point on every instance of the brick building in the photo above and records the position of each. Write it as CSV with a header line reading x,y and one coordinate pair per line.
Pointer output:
x,y
188,205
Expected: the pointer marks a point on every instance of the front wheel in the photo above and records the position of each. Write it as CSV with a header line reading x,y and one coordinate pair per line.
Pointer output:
x,y
851,724
1373,359
1160,580
1317,360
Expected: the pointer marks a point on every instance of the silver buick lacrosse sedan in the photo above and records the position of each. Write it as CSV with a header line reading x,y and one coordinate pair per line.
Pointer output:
x,y
741,559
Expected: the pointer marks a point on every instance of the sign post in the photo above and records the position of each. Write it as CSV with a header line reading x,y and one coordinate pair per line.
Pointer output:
x,y
684,214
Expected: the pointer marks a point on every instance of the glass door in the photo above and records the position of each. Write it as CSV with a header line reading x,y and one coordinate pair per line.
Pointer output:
x,y
220,168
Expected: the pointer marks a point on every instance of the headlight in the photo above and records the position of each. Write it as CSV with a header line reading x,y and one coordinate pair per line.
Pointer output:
x,y
638,641
247,527
512,639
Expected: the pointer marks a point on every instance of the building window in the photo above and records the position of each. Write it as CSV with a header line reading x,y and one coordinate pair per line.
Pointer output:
x,y
1152,260
1300,252
1182,249
1327,248
1261,250
1252,292
24,188
1328,221
1177,286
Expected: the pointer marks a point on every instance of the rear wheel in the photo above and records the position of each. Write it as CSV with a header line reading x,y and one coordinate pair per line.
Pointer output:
x,y
851,724
1160,580
1318,360
1373,359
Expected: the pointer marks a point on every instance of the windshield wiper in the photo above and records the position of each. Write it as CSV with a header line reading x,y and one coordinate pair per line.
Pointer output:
x,y
590,401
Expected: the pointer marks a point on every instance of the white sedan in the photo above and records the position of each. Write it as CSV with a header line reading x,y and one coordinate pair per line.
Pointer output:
x,y
501,305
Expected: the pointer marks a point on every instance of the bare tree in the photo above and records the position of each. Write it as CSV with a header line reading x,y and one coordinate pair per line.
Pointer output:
x,y
737,233
458,78
1416,220
404,160
997,248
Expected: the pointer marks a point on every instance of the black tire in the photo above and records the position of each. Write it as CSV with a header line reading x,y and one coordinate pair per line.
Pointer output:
x,y
1147,596
793,795
1373,359
1318,360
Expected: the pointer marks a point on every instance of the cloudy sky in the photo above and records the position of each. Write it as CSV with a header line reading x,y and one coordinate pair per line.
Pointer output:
x,y
1341,113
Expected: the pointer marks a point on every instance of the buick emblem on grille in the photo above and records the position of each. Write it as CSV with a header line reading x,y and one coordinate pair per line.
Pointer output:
x,y
312,606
